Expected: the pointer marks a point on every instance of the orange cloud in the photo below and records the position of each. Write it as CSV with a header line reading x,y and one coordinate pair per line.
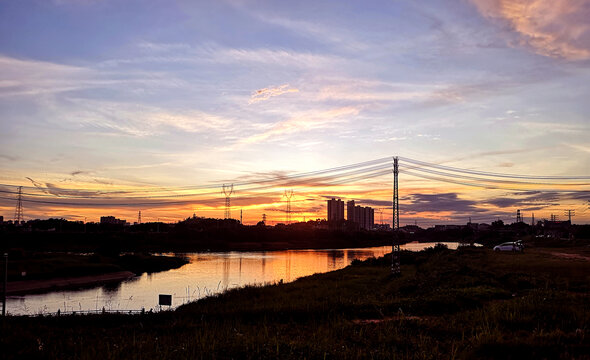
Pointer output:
x,y
558,28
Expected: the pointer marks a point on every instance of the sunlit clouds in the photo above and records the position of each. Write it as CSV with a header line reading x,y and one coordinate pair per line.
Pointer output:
x,y
112,105
551,28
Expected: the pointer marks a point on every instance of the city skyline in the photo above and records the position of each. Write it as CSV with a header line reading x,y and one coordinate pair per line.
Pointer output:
x,y
109,97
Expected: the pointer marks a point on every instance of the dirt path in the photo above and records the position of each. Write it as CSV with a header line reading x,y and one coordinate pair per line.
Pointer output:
x,y
570,256
31,286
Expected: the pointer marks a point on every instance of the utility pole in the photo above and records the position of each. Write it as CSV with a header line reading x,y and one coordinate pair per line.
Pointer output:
x,y
241,221
570,213
288,195
18,211
227,191
395,249
533,220
4,285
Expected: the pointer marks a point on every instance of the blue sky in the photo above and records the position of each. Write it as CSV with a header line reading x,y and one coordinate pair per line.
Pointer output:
x,y
126,93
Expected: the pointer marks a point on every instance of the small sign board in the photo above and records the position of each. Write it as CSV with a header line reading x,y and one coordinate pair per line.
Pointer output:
x,y
165,300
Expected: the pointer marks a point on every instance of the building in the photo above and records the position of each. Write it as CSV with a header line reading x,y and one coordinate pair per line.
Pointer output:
x,y
335,210
364,217
111,220
1,219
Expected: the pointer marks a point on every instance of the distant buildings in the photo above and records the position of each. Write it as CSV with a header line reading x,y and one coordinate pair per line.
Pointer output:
x,y
335,210
111,220
364,217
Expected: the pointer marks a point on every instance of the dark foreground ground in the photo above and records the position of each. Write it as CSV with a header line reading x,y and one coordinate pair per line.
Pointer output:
x,y
469,303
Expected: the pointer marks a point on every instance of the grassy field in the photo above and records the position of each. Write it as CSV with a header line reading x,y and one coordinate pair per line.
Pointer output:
x,y
469,303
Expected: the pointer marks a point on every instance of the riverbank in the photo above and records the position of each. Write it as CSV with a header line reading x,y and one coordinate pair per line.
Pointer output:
x,y
194,240
36,286
42,272
469,303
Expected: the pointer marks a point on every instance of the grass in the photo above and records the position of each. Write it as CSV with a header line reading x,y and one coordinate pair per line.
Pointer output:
x,y
464,304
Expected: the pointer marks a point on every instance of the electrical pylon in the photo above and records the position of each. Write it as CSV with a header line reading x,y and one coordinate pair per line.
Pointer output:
x,y
395,249
288,194
139,217
18,211
227,191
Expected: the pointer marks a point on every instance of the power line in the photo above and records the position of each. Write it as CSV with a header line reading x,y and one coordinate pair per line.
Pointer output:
x,y
504,175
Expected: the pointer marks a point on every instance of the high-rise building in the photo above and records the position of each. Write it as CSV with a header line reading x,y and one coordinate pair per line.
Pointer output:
x,y
350,211
364,217
335,210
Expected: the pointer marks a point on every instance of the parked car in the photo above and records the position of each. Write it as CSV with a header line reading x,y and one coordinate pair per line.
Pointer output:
x,y
510,246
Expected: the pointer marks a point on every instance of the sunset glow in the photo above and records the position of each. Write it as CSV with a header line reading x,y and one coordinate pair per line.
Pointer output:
x,y
111,108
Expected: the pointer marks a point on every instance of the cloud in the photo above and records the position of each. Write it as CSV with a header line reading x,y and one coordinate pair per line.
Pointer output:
x,y
536,200
557,28
267,93
27,77
137,120
8,157
304,122
444,202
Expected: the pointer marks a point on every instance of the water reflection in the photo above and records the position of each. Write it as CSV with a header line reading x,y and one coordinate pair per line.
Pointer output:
x,y
206,274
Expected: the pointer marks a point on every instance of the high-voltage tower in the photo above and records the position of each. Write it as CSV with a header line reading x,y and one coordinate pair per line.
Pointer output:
x,y
395,249
18,211
227,191
288,194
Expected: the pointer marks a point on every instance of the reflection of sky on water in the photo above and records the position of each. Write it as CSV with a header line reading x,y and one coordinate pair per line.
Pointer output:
x,y
206,274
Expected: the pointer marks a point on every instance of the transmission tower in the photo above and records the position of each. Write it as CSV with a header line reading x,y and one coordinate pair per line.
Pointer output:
x,y
288,194
553,218
18,211
139,217
227,191
518,216
264,219
395,249
533,220
570,213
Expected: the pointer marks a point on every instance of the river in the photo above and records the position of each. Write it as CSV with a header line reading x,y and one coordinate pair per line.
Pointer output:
x,y
206,274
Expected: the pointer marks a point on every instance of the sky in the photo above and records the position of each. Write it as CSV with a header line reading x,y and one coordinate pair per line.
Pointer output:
x,y
114,107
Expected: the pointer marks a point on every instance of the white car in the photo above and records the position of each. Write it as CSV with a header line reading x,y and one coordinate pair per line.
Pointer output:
x,y
509,246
